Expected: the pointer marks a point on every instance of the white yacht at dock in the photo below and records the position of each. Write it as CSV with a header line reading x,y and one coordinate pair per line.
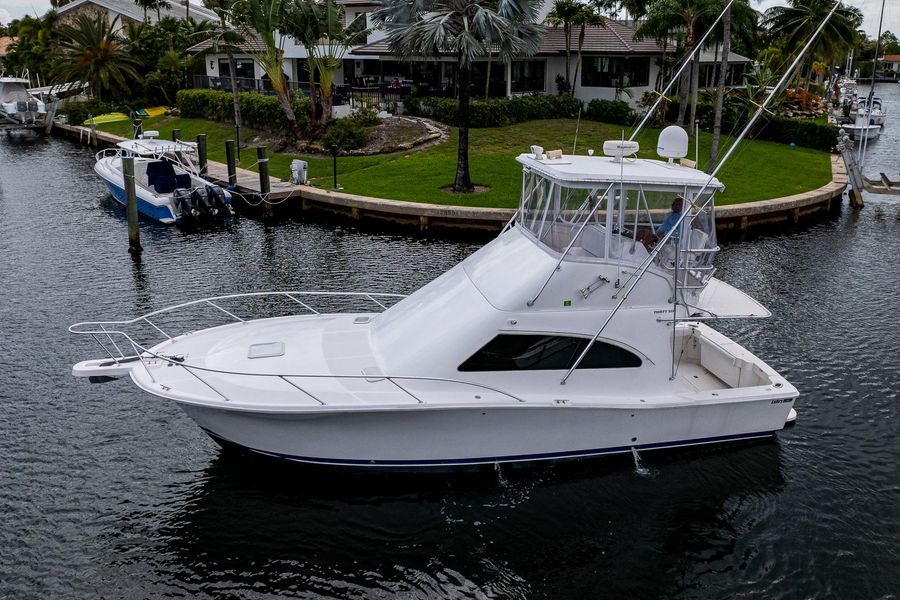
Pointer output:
x,y
564,337
19,109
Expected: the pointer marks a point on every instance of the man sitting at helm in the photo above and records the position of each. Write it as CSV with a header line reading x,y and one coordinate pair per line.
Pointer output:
x,y
649,237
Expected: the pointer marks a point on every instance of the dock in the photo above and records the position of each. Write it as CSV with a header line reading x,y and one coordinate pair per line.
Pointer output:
x,y
286,199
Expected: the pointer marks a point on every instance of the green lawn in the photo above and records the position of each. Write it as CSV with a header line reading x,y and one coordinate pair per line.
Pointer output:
x,y
758,170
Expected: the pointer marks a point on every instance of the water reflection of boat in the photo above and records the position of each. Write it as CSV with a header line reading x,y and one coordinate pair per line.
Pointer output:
x,y
544,531
539,346
19,109
168,185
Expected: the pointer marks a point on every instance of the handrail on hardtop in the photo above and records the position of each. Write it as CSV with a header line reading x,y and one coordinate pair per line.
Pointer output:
x,y
141,353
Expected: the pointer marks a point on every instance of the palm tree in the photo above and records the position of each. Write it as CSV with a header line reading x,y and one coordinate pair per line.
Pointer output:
x,y
588,16
566,13
720,91
226,38
263,18
91,51
323,25
469,29
666,16
792,25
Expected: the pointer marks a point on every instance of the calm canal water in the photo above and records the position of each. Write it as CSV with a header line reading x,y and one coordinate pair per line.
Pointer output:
x,y
108,492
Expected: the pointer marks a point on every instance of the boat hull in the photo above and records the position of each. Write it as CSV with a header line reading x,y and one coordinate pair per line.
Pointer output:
x,y
449,437
163,214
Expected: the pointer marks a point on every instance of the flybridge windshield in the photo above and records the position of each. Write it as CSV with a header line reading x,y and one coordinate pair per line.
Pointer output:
x,y
620,221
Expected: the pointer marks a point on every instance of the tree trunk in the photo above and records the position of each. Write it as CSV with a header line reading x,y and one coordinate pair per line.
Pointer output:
x,y
311,68
567,34
232,67
577,60
463,182
487,81
695,84
720,92
282,92
684,90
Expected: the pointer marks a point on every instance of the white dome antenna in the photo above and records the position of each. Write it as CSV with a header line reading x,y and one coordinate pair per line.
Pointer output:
x,y
673,143
619,149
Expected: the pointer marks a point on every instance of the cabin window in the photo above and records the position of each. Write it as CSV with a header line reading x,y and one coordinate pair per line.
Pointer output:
x,y
510,352
615,71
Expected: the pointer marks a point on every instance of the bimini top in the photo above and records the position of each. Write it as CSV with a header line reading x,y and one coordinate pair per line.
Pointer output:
x,y
583,171
156,147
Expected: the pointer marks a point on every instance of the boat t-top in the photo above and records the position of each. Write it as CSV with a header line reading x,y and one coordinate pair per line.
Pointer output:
x,y
19,109
168,184
581,330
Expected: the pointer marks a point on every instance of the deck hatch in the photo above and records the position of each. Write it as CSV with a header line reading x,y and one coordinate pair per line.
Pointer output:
x,y
266,350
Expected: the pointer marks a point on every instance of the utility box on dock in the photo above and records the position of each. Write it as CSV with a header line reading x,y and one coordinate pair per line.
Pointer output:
x,y
299,172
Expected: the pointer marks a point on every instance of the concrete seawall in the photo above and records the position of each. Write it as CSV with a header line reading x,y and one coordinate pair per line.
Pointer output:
x,y
733,221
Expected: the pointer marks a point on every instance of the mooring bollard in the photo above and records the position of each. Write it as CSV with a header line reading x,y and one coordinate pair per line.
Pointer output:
x,y
176,135
229,160
201,153
334,153
134,231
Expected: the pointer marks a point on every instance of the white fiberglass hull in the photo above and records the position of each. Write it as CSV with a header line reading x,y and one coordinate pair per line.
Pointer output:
x,y
446,437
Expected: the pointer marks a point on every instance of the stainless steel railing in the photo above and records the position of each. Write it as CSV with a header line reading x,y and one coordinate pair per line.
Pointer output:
x,y
111,331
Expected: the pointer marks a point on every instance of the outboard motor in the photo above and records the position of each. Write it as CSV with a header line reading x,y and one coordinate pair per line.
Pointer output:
x,y
201,201
217,199
32,106
22,106
185,205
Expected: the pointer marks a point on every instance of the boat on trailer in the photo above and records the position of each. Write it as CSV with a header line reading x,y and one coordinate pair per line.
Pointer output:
x,y
168,184
564,337
19,109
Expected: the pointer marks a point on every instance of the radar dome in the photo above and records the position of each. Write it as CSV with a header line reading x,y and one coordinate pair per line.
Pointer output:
x,y
672,143
620,148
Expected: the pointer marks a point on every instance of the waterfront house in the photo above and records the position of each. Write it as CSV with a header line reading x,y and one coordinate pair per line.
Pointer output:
x,y
5,43
614,65
890,66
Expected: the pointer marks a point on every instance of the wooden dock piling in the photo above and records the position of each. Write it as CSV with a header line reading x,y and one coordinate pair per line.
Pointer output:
x,y
229,160
134,231
201,153
264,184
176,135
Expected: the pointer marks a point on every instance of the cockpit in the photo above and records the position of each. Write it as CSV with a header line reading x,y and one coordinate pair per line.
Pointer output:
x,y
622,209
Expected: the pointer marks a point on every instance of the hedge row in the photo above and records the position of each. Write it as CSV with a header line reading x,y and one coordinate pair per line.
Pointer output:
x,y
257,111
801,132
495,113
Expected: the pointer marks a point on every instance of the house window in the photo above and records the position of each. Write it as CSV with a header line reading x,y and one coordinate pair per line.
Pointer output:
x,y
528,76
509,352
615,71
243,66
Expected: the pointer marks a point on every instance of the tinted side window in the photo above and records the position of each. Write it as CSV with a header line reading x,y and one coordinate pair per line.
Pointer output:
x,y
546,352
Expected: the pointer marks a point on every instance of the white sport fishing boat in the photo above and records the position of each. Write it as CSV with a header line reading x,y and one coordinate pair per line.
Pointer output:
x,y
875,114
564,337
19,109
168,184
862,128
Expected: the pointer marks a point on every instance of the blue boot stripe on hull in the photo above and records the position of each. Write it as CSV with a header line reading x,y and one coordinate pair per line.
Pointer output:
x,y
493,459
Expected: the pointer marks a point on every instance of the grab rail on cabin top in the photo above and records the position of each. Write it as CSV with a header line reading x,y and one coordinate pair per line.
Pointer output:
x,y
109,329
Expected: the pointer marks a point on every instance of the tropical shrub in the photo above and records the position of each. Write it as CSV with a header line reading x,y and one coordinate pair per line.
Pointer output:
x,y
346,134
610,111
78,112
496,112
257,111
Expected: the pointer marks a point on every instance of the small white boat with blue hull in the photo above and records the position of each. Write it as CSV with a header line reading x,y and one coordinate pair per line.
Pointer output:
x,y
539,346
168,185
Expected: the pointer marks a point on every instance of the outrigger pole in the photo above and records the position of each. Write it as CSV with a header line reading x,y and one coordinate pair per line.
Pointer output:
x,y
638,275
687,61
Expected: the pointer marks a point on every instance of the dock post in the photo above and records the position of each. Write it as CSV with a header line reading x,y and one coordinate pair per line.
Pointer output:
x,y
264,185
176,135
134,232
229,160
201,153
